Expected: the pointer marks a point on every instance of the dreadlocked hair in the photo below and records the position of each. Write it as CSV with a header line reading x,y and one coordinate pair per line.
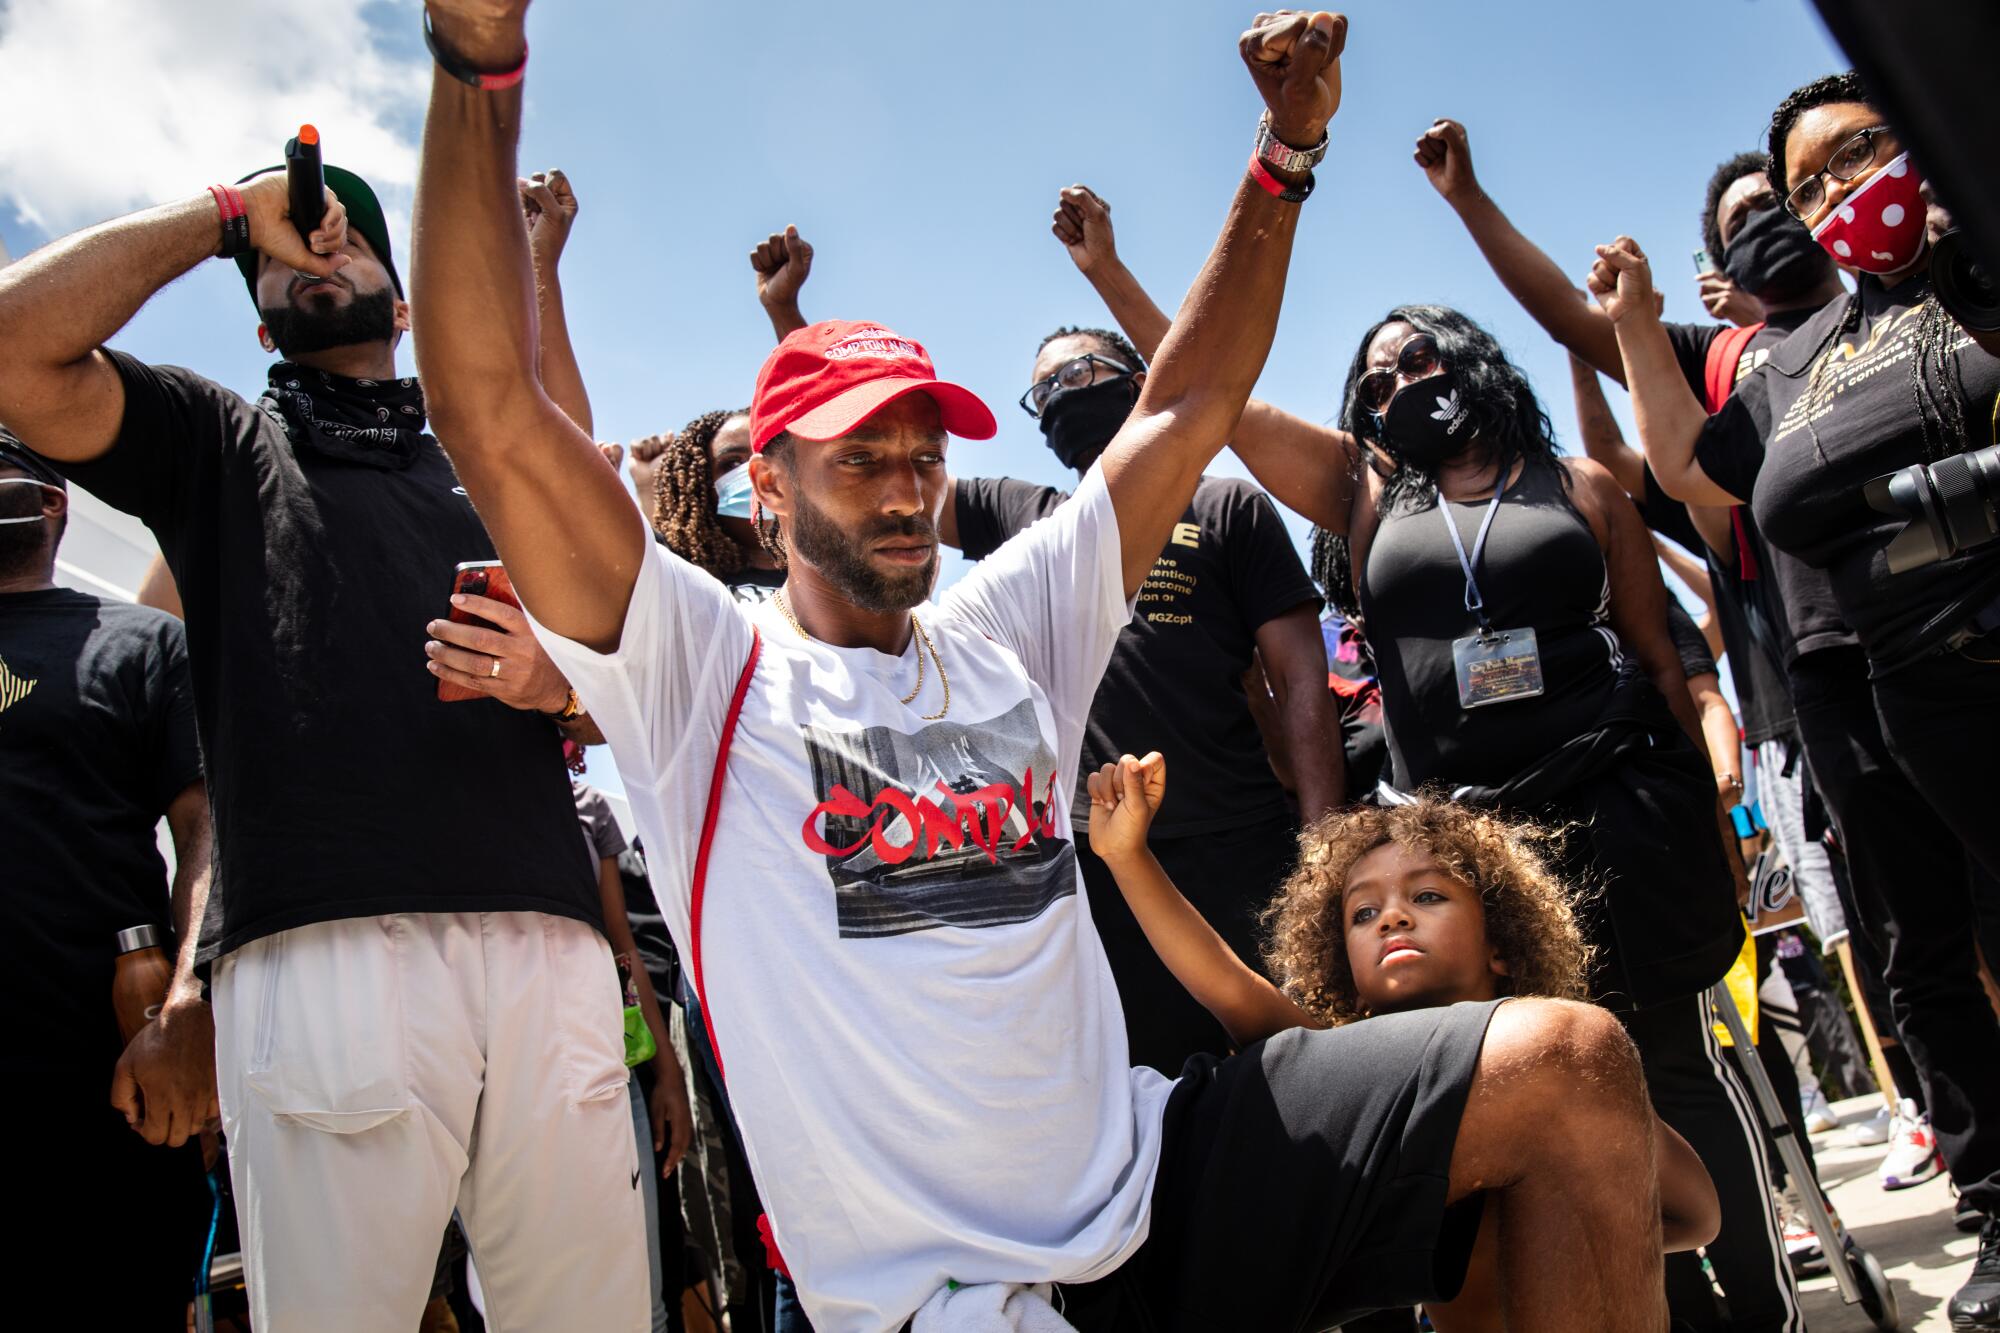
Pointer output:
x,y
1726,175
1531,916
1937,386
1506,415
1111,338
1333,570
1823,91
684,496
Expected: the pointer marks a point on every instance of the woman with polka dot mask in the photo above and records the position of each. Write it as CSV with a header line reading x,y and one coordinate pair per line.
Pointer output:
x,y
1900,715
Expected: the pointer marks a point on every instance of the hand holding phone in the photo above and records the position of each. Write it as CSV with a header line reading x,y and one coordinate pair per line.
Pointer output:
x,y
477,578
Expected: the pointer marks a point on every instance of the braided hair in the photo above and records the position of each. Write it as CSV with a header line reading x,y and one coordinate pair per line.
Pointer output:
x,y
1937,385
1333,570
684,495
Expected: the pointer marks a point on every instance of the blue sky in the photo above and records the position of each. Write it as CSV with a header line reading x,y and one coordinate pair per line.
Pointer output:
x,y
920,147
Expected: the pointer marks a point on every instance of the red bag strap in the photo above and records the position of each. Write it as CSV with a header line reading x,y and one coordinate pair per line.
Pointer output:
x,y
708,821
1719,370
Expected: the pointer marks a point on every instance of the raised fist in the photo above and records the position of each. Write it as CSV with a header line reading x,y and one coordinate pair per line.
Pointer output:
x,y
782,262
1447,160
549,205
1726,301
1622,281
1294,58
1082,223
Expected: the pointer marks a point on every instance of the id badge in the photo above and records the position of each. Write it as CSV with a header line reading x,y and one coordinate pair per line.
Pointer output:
x,y
1497,668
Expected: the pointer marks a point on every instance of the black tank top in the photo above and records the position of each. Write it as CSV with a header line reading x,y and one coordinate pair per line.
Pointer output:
x,y
1542,569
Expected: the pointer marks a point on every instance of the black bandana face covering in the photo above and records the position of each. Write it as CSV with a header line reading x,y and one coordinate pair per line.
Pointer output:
x,y
1773,257
1428,421
376,423
1079,423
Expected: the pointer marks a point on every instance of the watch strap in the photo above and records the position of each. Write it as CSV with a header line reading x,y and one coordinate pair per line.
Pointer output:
x,y
1281,156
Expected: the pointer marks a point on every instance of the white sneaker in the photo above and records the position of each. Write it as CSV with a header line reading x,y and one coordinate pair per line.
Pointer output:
x,y
1913,1152
1819,1116
1867,1133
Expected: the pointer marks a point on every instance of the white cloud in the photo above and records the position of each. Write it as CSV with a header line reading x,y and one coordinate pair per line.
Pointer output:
x,y
109,105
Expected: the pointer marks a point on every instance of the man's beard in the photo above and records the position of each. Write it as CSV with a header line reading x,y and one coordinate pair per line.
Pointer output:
x,y
842,559
370,317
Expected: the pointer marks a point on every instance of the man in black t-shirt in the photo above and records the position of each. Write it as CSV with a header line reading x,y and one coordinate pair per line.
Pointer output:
x,y
1228,591
97,743
313,535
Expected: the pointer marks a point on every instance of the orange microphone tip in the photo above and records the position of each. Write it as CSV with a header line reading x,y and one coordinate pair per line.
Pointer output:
x,y
307,134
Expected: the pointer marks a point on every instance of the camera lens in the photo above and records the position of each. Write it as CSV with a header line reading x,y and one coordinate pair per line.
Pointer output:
x,y
1965,284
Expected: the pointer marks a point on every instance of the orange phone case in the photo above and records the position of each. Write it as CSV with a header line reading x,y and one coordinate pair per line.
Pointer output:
x,y
480,578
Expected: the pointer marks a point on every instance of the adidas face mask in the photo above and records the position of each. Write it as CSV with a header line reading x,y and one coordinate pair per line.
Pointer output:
x,y
1427,422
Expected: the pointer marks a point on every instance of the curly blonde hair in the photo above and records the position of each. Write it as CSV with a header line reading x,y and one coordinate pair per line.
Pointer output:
x,y
1531,919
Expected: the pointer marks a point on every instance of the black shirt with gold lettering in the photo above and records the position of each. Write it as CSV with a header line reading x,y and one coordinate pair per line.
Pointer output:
x,y
1175,679
1805,431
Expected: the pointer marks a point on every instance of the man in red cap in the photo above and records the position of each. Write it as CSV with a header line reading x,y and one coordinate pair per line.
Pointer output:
x,y
857,798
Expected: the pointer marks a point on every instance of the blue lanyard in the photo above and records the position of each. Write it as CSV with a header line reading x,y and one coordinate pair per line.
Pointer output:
x,y
1473,601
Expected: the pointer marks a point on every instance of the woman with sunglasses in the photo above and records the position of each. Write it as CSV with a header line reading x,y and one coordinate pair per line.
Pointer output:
x,y
1901,731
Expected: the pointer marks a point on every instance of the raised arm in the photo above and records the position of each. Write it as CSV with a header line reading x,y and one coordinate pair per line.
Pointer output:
x,y
58,392
1696,576
1603,441
1307,467
572,549
1529,275
1211,356
782,262
1668,415
1123,797
549,204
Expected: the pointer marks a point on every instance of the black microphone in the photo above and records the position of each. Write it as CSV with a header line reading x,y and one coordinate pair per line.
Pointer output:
x,y
306,182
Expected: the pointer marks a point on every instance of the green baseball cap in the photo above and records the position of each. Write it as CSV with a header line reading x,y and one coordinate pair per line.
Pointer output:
x,y
364,215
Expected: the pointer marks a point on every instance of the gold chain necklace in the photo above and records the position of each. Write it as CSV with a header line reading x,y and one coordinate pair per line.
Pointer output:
x,y
924,645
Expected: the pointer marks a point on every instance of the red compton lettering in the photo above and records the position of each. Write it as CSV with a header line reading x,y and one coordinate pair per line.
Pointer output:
x,y
979,815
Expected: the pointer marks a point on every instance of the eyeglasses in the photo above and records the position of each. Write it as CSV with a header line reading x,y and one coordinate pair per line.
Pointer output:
x,y
1848,161
1074,374
1416,359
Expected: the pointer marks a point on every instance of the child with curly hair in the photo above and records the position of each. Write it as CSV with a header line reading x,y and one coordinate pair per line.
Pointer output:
x,y
1390,909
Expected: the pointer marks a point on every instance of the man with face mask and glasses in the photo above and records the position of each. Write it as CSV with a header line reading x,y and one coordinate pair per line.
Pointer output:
x,y
97,744
1228,593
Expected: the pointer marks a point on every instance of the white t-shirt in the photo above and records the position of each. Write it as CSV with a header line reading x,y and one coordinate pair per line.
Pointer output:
x,y
921,1039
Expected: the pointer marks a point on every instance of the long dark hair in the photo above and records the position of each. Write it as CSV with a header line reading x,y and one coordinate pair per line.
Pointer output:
x,y
1506,415
684,500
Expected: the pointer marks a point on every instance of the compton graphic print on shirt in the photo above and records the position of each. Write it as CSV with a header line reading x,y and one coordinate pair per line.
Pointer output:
x,y
954,824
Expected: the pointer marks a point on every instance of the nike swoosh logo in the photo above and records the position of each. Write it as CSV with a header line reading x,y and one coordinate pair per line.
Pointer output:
x,y
635,1178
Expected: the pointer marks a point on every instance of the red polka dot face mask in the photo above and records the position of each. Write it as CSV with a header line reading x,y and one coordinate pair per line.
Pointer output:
x,y
1879,228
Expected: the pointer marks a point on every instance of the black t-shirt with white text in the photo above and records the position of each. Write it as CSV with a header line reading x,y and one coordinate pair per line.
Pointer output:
x,y
1801,442
1175,679
97,737
341,786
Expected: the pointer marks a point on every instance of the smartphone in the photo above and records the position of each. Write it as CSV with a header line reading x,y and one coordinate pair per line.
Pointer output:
x,y
476,578
1702,263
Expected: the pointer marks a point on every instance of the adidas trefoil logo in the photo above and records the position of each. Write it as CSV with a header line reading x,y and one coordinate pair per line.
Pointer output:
x,y
1450,413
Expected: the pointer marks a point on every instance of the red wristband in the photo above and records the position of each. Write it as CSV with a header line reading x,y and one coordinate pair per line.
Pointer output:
x,y
235,220
449,61
1291,194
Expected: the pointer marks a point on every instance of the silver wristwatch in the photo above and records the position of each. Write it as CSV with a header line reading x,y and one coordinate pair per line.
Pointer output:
x,y
1282,156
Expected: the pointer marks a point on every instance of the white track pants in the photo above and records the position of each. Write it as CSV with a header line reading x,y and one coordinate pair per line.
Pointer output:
x,y
378,1072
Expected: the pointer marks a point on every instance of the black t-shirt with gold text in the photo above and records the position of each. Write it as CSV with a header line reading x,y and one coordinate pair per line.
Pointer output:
x,y
1175,679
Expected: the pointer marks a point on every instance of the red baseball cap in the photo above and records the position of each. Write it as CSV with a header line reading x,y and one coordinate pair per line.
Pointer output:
x,y
827,378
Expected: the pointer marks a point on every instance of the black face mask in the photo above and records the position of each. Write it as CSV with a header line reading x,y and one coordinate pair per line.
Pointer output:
x,y
1428,421
1079,423
1773,257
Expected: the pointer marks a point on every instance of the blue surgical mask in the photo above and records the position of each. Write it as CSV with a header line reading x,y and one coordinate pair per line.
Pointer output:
x,y
732,492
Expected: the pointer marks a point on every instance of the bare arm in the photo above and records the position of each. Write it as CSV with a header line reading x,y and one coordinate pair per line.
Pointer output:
x,y
782,262
1307,467
1690,1214
1211,356
1603,441
1695,574
1123,797
1720,736
572,551
550,206
1529,275
58,392
1264,712
1294,656
158,589
673,1120
1668,414
164,1082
